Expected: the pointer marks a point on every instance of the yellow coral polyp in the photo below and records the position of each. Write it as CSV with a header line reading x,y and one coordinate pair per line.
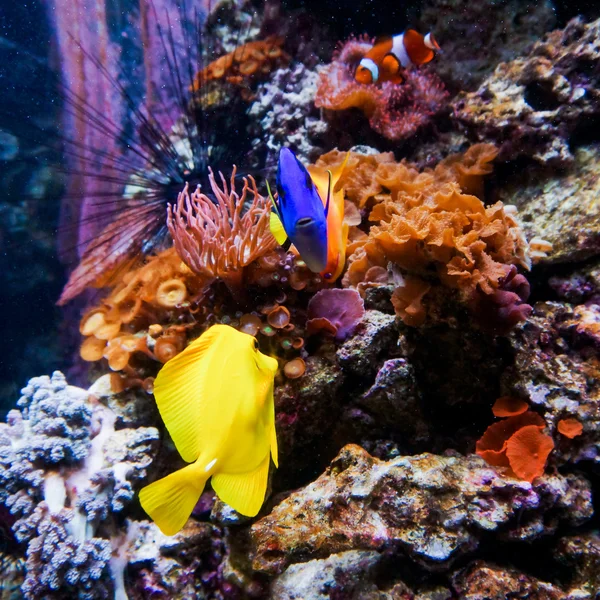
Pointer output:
x,y
93,321
92,349
171,293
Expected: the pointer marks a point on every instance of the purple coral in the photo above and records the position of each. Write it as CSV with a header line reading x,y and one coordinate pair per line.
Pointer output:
x,y
336,311
500,311
64,472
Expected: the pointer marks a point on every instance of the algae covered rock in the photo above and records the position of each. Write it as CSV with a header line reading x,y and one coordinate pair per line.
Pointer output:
x,y
561,206
556,368
481,580
531,106
431,508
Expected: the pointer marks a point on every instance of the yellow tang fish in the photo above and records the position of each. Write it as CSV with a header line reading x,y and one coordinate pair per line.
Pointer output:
x,y
216,399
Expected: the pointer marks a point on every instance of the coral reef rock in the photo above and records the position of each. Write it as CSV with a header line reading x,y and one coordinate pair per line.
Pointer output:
x,y
496,32
481,580
352,574
284,115
581,555
433,508
556,367
561,206
532,106
359,354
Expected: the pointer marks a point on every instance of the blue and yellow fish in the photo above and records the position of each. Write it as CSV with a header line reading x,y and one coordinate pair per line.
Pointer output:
x,y
310,214
216,400
299,212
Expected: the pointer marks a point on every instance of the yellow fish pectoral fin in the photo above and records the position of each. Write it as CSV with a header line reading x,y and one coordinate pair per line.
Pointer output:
x,y
180,395
170,500
244,492
277,229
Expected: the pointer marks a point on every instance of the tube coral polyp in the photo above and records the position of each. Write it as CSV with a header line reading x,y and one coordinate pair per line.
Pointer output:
x,y
217,239
394,111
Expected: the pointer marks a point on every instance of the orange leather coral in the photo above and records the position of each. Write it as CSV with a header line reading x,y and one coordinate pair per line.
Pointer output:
x,y
527,451
426,224
507,406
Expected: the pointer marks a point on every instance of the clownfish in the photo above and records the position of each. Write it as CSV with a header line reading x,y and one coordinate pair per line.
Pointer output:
x,y
389,56
216,400
310,214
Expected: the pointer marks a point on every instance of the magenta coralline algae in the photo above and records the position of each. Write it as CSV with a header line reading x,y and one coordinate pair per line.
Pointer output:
x,y
336,311
500,311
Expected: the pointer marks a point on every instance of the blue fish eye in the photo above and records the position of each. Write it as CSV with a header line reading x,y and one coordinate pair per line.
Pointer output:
x,y
304,222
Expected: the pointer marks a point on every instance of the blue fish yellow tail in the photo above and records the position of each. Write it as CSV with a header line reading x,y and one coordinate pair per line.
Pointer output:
x,y
171,500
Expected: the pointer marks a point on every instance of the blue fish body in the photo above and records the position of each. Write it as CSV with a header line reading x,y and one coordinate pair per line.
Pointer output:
x,y
301,211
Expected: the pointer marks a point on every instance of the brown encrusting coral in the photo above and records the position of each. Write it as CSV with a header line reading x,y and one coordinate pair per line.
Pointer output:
x,y
249,60
218,239
395,111
437,234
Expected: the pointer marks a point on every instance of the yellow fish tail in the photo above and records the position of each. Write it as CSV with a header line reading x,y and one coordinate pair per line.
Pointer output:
x,y
244,492
170,500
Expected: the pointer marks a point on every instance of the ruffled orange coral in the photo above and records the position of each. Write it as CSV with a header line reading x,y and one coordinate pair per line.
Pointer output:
x,y
246,61
358,178
217,239
437,234
570,427
394,111
407,300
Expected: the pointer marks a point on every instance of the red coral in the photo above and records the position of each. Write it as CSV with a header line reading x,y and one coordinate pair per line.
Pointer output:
x,y
570,427
394,111
516,442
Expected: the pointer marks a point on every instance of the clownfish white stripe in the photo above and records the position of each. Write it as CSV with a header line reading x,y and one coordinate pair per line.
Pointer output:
x,y
369,64
427,41
399,51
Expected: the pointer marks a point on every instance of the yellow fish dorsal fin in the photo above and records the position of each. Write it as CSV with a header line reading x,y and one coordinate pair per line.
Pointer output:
x,y
326,178
180,395
277,229
244,492
338,171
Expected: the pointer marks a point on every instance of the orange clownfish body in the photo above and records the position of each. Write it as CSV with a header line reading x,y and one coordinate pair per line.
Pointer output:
x,y
337,229
389,56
